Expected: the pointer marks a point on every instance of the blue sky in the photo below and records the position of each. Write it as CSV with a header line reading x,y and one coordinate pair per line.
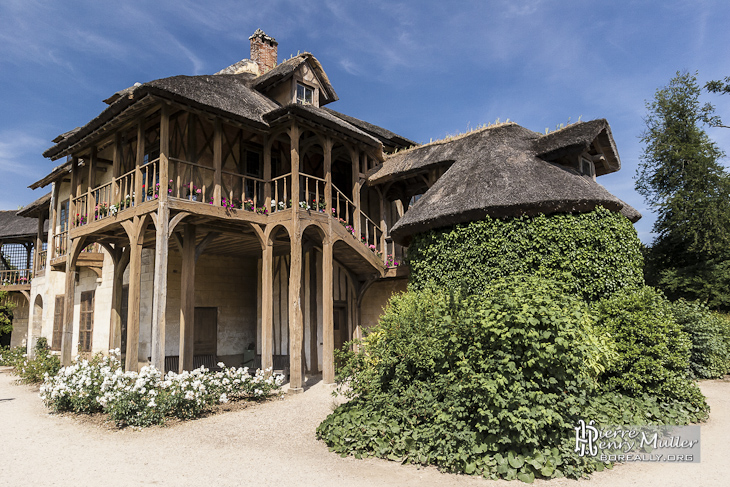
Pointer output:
x,y
424,69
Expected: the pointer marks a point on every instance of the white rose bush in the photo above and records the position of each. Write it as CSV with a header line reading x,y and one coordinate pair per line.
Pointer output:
x,y
147,397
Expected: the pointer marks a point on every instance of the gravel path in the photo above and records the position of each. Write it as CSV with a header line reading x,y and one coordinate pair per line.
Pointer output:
x,y
267,444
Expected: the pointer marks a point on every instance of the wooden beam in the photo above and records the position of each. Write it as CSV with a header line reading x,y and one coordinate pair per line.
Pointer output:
x,y
267,306
296,335
328,345
294,140
328,144
121,260
217,160
116,168
138,196
164,153
135,232
159,298
202,245
187,299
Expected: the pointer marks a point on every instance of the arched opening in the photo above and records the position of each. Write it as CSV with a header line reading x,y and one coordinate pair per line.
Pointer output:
x,y
37,324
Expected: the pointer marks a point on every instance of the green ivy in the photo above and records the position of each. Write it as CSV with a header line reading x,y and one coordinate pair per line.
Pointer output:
x,y
653,350
488,384
598,253
709,333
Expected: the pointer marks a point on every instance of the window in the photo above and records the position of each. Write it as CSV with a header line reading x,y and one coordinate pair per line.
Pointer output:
x,y
58,322
86,321
63,217
305,95
586,167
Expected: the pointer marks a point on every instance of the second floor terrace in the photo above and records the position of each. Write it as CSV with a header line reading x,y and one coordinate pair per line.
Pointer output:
x,y
305,165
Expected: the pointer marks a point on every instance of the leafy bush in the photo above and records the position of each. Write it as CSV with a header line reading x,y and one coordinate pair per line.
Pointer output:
x,y
598,253
145,398
653,350
490,384
11,356
34,370
709,333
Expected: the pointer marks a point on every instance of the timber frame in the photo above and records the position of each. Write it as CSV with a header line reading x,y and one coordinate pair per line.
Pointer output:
x,y
164,175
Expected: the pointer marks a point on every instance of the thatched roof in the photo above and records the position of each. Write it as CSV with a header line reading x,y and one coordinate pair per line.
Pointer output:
x,y
495,172
387,137
580,137
38,208
228,95
286,69
14,228
323,117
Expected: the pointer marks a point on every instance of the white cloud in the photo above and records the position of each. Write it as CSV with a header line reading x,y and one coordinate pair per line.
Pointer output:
x,y
16,148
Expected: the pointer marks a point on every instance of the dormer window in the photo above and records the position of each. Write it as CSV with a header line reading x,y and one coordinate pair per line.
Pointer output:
x,y
305,95
587,168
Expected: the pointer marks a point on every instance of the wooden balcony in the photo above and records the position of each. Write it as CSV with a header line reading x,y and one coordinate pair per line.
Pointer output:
x,y
192,188
15,279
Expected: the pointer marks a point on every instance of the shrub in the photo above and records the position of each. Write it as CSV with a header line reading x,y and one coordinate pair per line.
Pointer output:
x,y
11,356
34,370
653,350
78,387
145,398
489,384
709,333
598,253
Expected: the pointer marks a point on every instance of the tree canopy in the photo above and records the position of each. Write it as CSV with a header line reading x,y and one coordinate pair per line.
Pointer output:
x,y
682,180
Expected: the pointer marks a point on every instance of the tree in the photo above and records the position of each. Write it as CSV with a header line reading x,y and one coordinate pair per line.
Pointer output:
x,y
681,179
6,314
723,88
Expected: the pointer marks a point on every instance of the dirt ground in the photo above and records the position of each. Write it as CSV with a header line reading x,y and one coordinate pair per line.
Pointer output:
x,y
272,443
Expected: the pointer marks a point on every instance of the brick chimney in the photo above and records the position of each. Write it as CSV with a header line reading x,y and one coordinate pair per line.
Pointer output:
x,y
263,51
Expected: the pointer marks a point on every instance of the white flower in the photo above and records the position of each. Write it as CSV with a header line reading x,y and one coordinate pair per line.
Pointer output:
x,y
223,398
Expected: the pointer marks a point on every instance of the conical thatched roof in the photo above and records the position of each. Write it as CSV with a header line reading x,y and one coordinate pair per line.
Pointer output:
x,y
498,172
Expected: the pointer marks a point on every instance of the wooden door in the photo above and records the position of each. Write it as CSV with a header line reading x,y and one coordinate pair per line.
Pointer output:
x,y
58,322
339,316
205,339
86,321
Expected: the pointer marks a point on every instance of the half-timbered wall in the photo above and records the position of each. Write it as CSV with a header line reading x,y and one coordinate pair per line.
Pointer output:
x,y
343,296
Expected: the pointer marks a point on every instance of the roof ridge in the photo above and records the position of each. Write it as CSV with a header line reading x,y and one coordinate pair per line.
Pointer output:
x,y
451,138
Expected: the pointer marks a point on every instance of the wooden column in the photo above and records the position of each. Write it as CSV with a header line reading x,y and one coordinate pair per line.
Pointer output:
x,y
218,161
356,192
328,144
164,153
116,168
187,299
68,309
90,199
159,298
267,306
135,231
311,288
383,226
72,199
121,260
38,241
138,196
328,338
296,332
267,173
54,219
294,138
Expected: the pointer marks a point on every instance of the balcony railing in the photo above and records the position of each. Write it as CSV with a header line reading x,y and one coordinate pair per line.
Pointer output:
x,y
196,183
41,262
60,244
15,277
